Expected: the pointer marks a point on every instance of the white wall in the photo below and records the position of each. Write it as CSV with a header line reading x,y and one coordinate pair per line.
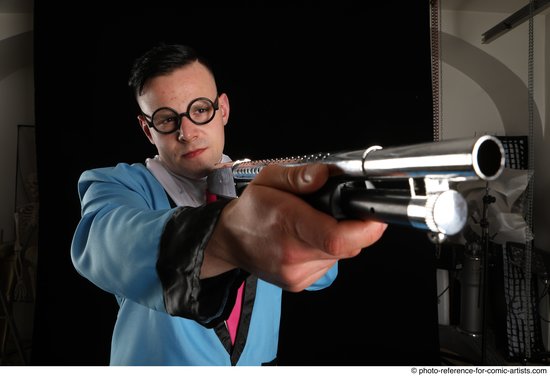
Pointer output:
x,y
484,90
16,105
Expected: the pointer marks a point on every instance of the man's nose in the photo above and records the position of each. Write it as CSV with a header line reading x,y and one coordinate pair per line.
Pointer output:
x,y
188,130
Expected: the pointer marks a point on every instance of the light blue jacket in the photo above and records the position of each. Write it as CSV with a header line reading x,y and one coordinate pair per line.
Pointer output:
x,y
115,246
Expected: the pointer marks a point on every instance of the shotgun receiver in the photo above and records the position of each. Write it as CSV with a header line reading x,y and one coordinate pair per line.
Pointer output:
x,y
406,185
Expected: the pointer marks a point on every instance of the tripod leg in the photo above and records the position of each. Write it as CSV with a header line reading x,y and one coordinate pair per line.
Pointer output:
x,y
9,325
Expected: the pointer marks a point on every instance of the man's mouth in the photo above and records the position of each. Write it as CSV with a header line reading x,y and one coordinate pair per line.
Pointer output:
x,y
194,153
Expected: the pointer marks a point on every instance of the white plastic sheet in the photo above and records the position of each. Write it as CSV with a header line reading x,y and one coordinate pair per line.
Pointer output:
x,y
505,214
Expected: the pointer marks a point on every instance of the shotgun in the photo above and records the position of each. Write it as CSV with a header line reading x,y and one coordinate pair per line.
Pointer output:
x,y
407,185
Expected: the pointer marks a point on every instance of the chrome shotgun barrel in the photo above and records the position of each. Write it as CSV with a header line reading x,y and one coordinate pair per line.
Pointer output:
x,y
457,160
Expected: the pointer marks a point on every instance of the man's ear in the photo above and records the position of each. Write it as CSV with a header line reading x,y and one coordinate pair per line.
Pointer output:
x,y
223,101
145,128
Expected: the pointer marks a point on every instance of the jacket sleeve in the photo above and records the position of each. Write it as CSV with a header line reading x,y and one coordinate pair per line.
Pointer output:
x,y
117,244
207,301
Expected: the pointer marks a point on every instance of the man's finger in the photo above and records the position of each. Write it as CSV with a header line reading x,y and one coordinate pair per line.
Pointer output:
x,y
340,239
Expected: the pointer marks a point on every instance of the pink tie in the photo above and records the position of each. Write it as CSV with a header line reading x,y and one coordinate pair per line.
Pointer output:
x,y
233,320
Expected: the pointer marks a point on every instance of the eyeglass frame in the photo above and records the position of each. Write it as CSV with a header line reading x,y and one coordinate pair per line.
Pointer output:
x,y
180,116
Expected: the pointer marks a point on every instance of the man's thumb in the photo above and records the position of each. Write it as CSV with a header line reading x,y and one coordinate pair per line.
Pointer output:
x,y
298,179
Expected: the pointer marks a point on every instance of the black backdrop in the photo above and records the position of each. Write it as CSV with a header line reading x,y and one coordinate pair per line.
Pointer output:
x,y
301,78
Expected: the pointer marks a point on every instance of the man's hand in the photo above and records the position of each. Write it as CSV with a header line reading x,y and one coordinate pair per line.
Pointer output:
x,y
271,232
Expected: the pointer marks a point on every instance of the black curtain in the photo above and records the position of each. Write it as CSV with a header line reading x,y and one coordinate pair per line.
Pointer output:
x,y
301,78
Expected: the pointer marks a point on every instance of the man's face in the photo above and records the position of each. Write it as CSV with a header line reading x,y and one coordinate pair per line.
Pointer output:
x,y
199,147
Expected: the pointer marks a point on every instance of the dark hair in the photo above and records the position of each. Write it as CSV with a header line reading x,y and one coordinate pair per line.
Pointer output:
x,y
160,60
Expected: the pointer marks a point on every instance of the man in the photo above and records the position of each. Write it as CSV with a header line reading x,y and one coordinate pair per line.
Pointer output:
x,y
199,283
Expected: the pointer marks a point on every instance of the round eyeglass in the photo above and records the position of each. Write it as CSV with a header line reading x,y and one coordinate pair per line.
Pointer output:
x,y
167,120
